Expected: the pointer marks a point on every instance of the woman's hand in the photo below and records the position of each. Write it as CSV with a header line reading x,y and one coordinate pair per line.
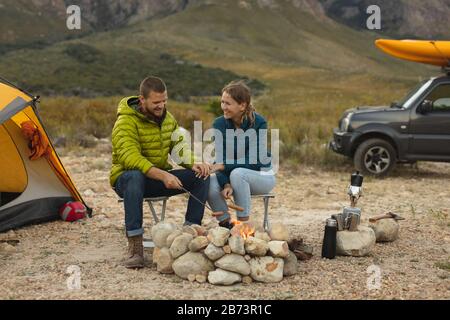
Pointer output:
x,y
227,191
217,167
202,170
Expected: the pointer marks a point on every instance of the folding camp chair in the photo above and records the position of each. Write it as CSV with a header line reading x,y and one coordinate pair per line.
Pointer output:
x,y
147,242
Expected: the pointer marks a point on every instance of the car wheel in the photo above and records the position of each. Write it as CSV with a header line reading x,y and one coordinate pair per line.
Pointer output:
x,y
375,157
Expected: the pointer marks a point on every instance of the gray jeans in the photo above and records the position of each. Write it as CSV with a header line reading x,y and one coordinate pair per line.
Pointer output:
x,y
245,182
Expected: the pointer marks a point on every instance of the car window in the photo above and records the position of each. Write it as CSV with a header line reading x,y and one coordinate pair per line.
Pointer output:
x,y
440,96
412,97
412,92
442,104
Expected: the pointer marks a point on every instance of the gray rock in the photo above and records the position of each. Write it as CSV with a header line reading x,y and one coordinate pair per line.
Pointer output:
x,y
211,224
172,237
161,231
256,247
279,249
190,230
213,252
219,236
191,277
7,248
223,277
155,255
201,231
262,235
247,280
191,263
180,245
200,278
267,269
357,244
279,232
234,263
198,244
88,141
290,265
386,230
164,261
237,245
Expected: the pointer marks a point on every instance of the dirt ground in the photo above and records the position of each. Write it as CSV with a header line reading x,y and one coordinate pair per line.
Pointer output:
x,y
416,266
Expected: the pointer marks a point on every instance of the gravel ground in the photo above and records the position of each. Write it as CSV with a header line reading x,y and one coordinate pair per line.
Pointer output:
x,y
416,266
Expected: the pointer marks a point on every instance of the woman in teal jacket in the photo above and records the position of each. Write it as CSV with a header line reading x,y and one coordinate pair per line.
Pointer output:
x,y
243,164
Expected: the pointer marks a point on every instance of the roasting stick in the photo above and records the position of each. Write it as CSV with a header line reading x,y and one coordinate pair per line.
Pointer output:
x,y
214,214
197,199
234,206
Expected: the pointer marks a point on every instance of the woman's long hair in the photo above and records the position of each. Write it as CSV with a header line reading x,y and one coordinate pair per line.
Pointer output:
x,y
241,93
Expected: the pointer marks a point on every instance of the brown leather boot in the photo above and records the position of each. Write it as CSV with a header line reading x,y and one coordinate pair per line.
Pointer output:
x,y
135,255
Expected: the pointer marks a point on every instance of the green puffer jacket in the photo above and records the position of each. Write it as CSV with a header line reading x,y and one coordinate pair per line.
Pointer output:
x,y
139,143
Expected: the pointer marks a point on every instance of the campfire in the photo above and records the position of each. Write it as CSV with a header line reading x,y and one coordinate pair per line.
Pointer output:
x,y
242,229
224,257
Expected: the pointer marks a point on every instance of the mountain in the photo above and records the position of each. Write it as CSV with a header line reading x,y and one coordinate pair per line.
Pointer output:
x,y
41,22
197,46
400,18
37,23
102,15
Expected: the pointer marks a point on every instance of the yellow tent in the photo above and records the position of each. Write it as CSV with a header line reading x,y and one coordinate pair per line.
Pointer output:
x,y
31,191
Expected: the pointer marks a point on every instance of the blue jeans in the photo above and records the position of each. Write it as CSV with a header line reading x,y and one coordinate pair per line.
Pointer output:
x,y
245,182
133,186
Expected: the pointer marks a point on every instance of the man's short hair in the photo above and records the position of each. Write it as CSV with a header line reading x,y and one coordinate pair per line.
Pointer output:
x,y
150,84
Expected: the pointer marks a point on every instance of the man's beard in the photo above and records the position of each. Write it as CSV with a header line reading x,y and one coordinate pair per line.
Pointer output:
x,y
152,113
158,115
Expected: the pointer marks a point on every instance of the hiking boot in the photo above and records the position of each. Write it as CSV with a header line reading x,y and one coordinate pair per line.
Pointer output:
x,y
135,255
226,224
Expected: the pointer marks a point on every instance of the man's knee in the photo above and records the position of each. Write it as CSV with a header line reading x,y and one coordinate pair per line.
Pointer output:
x,y
190,177
135,180
205,182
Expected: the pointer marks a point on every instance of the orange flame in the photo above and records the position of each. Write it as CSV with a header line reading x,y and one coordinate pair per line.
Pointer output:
x,y
242,229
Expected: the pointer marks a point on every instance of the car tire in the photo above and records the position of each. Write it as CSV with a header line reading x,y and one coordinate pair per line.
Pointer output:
x,y
375,157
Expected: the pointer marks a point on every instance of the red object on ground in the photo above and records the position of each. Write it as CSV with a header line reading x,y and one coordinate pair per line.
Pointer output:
x,y
73,211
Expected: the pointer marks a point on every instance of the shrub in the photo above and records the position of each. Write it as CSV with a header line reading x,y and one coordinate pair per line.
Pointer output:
x,y
82,52
215,108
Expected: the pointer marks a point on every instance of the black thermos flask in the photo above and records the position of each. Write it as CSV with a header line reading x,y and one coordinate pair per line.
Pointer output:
x,y
329,239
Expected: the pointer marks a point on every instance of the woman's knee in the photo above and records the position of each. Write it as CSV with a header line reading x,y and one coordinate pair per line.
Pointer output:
x,y
237,175
214,187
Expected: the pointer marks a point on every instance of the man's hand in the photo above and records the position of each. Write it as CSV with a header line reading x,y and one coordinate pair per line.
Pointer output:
x,y
172,182
227,191
201,170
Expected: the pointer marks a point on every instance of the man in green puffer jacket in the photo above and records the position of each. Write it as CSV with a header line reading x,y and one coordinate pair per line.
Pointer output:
x,y
142,139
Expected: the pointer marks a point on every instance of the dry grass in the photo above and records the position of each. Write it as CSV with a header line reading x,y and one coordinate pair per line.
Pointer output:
x,y
304,104
76,118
